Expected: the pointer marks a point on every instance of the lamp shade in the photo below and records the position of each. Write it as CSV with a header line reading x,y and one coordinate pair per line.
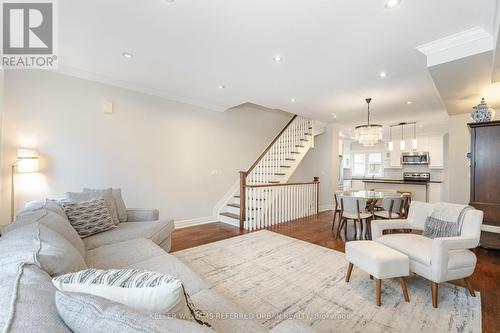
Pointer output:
x,y
27,160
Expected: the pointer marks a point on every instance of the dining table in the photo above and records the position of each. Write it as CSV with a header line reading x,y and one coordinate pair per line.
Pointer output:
x,y
370,194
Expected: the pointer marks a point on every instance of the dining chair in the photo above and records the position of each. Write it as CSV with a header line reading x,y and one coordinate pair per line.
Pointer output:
x,y
336,209
353,208
392,208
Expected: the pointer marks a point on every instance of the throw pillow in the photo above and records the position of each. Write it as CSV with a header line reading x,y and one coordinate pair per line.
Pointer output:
x,y
88,217
121,209
138,289
86,313
37,244
434,228
106,194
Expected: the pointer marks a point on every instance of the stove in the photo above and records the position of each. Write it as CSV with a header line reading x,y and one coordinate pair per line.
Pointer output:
x,y
417,176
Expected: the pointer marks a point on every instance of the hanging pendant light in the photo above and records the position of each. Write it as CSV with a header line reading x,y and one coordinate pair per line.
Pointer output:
x,y
368,135
414,142
391,143
402,143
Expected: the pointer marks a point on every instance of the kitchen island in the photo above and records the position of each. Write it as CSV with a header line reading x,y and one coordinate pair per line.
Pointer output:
x,y
427,191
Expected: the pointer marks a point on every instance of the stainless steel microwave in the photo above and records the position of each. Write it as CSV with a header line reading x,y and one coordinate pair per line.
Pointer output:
x,y
415,158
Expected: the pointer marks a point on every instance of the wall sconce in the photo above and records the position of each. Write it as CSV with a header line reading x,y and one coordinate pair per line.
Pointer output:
x,y
27,161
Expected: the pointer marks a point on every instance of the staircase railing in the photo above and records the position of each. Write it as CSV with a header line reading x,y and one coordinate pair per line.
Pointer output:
x,y
264,200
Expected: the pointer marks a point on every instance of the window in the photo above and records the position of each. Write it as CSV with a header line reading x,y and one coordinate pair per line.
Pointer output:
x,y
359,165
367,164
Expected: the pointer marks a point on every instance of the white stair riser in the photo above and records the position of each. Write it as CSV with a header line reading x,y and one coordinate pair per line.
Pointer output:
x,y
233,210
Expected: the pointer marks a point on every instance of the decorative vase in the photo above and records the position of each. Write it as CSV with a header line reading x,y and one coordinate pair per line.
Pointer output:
x,y
482,112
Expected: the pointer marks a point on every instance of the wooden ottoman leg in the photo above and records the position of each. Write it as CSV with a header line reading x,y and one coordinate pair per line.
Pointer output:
x,y
378,287
402,282
348,275
434,294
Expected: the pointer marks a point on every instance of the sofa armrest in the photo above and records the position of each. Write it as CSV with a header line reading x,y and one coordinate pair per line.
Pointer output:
x,y
142,215
378,226
440,248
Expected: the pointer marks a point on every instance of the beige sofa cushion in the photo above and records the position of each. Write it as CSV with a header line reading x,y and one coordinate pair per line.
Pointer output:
x,y
112,255
27,301
50,214
157,231
171,265
86,313
49,250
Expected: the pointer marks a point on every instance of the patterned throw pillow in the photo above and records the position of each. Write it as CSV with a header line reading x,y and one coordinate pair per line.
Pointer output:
x,y
88,217
137,289
106,194
434,228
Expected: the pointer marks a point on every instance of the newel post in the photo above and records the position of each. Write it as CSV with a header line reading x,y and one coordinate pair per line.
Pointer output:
x,y
316,180
243,201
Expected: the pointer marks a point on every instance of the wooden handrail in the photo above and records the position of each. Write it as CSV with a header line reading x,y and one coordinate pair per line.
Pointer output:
x,y
272,143
284,184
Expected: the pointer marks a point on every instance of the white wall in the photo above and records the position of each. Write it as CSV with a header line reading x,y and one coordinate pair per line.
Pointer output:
x,y
458,147
322,161
161,153
1,125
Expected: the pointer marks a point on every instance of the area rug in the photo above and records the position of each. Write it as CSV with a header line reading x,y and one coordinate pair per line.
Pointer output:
x,y
274,277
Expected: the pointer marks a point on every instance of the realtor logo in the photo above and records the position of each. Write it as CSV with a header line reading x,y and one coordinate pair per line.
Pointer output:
x,y
28,34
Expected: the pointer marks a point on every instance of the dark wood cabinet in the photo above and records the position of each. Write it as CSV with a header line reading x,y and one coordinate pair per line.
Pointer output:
x,y
485,178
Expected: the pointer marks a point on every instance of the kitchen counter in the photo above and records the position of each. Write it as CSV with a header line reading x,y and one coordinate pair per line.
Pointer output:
x,y
396,181
430,191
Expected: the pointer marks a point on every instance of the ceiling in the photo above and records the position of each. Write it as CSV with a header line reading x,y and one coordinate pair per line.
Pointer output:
x,y
333,52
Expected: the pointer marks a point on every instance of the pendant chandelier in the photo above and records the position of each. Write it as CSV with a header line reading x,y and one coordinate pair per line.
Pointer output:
x,y
368,135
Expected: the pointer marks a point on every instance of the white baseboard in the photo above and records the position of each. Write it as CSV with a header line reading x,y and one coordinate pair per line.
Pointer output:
x,y
490,228
192,222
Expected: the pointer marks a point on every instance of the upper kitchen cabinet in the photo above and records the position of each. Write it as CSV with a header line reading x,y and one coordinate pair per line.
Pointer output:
x,y
434,145
436,151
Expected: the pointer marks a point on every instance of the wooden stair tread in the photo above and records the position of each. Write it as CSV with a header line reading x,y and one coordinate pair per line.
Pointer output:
x,y
285,166
234,205
280,174
304,140
295,152
274,182
231,215
237,196
302,146
289,159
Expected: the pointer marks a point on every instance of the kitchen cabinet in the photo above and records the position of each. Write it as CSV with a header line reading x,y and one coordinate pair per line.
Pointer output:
x,y
434,145
396,156
436,152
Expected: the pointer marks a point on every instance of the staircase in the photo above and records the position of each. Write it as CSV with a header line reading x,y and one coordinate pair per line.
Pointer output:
x,y
264,196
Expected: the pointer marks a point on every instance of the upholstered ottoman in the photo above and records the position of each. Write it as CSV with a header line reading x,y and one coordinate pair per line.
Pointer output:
x,y
380,261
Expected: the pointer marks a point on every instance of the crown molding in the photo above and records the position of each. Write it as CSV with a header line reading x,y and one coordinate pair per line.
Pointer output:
x,y
457,46
90,76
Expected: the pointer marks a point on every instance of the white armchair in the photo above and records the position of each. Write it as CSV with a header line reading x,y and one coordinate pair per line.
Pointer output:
x,y
438,259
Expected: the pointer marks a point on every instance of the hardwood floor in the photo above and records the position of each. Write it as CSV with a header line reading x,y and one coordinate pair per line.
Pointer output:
x,y
318,230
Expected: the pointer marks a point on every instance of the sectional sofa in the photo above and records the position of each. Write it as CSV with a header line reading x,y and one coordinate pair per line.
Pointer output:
x,y
29,259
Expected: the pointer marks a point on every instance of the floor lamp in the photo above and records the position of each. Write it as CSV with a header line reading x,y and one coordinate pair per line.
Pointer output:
x,y
26,162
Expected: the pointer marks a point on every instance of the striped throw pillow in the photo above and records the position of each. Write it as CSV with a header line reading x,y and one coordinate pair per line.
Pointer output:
x,y
88,217
140,290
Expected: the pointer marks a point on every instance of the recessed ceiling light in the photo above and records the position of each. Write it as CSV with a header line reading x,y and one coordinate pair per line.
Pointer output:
x,y
293,100
127,55
392,3
334,115
277,58
420,126
409,102
383,74
222,86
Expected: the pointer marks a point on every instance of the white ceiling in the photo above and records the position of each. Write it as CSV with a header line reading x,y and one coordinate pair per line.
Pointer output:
x,y
332,52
